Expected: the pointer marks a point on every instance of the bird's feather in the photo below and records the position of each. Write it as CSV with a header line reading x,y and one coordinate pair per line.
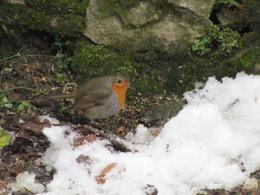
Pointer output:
x,y
92,98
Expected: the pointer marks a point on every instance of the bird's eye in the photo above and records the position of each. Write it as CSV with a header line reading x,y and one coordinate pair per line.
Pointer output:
x,y
119,81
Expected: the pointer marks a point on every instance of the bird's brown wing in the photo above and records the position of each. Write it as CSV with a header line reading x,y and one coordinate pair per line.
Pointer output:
x,y
92,98
63,95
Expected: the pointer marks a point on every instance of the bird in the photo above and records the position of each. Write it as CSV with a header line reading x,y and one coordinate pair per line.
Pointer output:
x,y
100,97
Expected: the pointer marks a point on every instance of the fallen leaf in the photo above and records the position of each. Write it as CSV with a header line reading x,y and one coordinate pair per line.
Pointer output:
x,y
88,138
101,177
35,125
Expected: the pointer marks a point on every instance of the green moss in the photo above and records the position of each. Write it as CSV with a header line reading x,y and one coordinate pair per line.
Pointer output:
x,y
252,13
4,102
178,73
147,84
5,138
198,69
249,58
223,40
59,6
35,18
117,6
94,60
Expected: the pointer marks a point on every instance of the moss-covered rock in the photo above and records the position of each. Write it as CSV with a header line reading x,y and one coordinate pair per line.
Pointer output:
x,y
59,6
249,58
164,74
197,69
94,60
57,17
134,25
111,7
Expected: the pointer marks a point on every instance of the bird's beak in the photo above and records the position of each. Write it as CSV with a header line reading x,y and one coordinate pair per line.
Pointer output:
x,y
127,84
129,87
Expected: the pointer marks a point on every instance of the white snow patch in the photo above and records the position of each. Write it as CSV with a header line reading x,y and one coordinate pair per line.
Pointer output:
x,y
212,143
143,135
26,181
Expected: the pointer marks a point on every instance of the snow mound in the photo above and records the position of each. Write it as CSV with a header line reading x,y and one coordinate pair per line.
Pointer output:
x,y
212,143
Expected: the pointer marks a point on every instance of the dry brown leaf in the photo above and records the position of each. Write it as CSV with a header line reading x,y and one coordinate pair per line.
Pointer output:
x,y
101,177
80,141
44,79
35,125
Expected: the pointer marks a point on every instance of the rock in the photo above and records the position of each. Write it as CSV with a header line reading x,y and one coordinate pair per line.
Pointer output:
x,y
199,7
177,32
231,16
125,25
144,26
140,15
16,2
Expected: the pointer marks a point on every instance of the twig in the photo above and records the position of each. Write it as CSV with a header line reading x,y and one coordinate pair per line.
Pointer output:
x,y
229,106
19,55
11,57
27,88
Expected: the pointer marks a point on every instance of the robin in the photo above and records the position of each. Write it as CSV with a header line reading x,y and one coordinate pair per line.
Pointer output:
x,y
100,97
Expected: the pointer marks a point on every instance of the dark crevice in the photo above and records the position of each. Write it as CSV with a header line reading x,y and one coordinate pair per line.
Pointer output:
x,y
213,17
241,25
245,29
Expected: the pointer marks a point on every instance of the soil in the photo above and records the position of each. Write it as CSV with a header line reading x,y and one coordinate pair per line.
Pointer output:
x,y
27,80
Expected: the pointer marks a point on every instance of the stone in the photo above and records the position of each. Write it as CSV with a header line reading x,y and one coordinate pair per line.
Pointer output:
x,y
198,7
140,15
143,26
22,2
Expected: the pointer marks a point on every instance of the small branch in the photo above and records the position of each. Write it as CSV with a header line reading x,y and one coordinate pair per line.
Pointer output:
x,y
19,55
27,88
36,55
11,57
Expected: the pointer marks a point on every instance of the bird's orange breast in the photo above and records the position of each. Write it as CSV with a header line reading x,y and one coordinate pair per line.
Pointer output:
x,y
121,94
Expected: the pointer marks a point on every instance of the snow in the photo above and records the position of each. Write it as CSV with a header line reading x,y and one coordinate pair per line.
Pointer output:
x,y
213,142
250,184
53,121
26,181
143,135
